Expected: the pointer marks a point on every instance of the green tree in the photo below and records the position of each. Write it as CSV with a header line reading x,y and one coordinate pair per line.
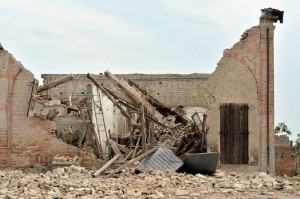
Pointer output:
x,y
296,153
282,129
297,144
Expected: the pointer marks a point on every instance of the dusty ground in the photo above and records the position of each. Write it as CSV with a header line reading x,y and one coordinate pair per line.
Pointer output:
x,y
76,182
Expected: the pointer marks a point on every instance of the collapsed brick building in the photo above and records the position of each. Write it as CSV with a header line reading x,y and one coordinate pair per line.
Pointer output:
x,y
26,141
238,97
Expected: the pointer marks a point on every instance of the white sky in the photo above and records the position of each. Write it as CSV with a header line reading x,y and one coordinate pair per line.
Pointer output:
x,y
148,36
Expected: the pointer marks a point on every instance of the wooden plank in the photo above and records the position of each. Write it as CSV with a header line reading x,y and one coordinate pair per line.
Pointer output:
x,y
134,94
110,162
165,110
222,130
98,151
136,146
54,83
72,108
82,134
116,149
123,112
133,161
245,134
231,127
236,134
226,140
142,128
121,147
128,155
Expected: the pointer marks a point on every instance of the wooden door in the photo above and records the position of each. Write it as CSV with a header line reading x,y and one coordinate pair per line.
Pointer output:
x,y
234,133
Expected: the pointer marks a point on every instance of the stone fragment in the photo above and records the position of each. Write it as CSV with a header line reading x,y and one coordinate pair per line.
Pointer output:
x,y
239,186
219,174
159,194
181,192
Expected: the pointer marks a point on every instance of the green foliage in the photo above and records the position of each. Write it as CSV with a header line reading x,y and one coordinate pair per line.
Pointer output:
x,y
297,153
282,129
297,146
298,171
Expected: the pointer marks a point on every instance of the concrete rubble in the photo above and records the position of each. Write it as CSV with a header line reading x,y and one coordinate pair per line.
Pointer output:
x,y
77,182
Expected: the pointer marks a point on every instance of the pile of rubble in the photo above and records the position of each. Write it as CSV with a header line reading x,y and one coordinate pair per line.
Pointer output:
x,y
150,122
66,160
77,182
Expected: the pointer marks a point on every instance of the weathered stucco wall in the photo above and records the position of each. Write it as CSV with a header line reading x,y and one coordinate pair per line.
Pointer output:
x,y
232,82
253,59
26,140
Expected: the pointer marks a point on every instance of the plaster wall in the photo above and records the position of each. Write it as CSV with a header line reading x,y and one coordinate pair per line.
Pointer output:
x,y
232,82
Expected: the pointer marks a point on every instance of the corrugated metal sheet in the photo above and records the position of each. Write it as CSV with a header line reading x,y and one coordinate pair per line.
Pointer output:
x,y
162,159
204,163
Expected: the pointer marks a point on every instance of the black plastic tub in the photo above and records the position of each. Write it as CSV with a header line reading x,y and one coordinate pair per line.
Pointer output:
x,y
204,163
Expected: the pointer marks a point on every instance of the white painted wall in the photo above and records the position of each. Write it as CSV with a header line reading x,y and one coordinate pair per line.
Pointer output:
x,y
107,108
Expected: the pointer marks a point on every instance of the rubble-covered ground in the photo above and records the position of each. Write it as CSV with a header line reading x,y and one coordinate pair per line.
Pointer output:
x,y
76,182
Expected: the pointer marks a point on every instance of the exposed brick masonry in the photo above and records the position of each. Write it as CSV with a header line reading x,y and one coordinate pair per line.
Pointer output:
x,y
26,141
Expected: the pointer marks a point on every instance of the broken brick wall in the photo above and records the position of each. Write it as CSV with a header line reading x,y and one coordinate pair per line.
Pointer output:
x,y
26,141
190,90
285,161
247,76
241,78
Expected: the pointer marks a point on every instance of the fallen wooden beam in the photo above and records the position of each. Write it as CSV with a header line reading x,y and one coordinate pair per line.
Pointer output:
x,y
54,83
123,112
121,147
136,146
133,161
134,94
142,127
115,149
135,124
128,155
72,108
146,116
96,141
164,110
110,162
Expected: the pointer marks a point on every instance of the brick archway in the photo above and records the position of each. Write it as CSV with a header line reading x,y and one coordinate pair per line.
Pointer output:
x,y
240,57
